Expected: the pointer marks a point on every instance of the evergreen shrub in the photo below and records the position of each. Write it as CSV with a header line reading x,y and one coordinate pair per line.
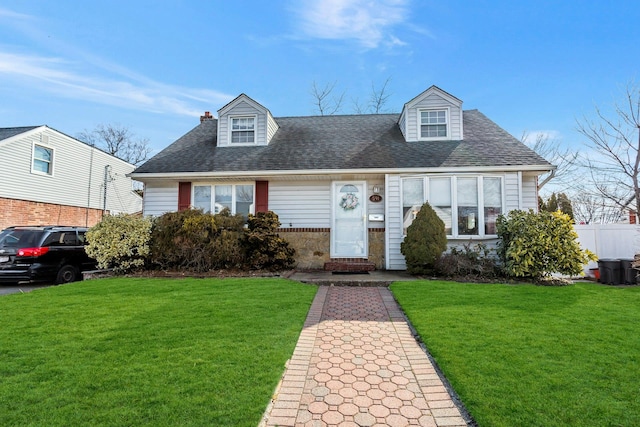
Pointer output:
x,y
425,242
264,248
121,242
535,245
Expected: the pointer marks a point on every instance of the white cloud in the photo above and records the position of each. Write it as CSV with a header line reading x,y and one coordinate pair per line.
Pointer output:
x,y
369,22
106,84
530,137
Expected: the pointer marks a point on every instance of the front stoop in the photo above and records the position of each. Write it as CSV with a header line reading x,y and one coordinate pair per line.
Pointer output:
x,y
348,265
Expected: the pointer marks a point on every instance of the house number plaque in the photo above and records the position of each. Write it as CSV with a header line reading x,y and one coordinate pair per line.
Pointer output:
x,y
375,198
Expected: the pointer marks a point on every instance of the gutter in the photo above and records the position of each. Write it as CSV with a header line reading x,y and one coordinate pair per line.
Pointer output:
x,y
548,178
268,173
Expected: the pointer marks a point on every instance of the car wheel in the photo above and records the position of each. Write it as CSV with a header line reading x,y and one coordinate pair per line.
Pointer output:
x,y
66,274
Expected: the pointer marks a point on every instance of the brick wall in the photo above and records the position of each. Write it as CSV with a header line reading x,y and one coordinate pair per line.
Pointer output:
x,y
23,212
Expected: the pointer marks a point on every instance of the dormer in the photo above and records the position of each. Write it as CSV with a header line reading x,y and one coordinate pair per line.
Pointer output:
x,y
434,115
244,122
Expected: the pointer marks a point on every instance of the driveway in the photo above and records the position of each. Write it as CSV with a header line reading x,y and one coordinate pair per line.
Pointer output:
x,y
14,289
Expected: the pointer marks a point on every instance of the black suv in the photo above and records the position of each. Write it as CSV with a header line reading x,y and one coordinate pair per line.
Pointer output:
x,y
43,254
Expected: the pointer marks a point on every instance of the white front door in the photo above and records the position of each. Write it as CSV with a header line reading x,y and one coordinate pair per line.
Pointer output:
x,y
349,225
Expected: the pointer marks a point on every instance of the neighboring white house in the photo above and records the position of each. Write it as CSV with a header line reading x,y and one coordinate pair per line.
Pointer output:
x,y
346,187
49,178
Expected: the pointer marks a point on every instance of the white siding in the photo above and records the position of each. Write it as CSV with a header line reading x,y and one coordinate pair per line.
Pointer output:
x,y
511,191
160,197
305,204
78,177
272,127
393,221
243,108
433,101
529,192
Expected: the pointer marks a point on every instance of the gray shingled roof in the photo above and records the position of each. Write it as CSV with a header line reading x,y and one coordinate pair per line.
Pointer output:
x,y
344,142
6,133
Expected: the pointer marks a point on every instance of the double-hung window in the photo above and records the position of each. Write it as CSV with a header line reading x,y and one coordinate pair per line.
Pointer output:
x,y
238,198
42,160
433,124
243,130
468,206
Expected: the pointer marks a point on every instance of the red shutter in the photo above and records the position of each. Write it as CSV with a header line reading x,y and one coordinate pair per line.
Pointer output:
x,y
262,196
184,196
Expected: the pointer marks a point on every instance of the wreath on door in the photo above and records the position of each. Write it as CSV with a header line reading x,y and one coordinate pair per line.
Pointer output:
x,y
349,201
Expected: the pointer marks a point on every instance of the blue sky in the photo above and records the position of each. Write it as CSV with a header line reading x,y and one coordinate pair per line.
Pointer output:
x,y
156,66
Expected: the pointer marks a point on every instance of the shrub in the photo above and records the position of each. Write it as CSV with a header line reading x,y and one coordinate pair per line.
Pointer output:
x,y
535,245
425,242
120,242
477,261
197,241
263,247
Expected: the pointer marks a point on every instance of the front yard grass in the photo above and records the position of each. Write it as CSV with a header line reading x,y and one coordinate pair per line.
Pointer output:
x,y
134,351
530,355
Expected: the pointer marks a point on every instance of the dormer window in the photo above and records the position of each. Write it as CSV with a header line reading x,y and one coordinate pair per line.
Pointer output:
x,y
243,130
434,124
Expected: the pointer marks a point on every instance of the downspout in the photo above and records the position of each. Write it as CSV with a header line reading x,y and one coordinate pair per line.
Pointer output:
x,y
86,211
547,179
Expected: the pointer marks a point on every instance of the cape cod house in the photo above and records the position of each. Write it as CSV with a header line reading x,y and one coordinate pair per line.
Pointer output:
x,y
346,187
49,178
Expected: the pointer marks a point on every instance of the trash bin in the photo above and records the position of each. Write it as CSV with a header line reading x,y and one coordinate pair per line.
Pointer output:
x,y
610,271
628,273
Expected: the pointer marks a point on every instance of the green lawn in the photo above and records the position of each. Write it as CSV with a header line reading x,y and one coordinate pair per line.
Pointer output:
x,y
155,352
531,355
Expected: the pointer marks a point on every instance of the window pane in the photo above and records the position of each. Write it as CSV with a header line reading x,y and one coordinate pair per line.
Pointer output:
x,y
202,197
412,200
223,198
42,153
468,191
440,200
492,191
244,199
40,166
467,206
42,159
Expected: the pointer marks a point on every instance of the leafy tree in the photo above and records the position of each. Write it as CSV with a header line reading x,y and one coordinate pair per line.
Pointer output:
x,y
118,141
565,205
552,203
425,242
557,202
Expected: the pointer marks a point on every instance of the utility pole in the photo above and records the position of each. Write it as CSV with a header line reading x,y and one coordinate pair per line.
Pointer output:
x,y
107,179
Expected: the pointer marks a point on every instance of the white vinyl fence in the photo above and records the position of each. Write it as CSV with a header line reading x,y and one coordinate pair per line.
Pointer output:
x,y
621,241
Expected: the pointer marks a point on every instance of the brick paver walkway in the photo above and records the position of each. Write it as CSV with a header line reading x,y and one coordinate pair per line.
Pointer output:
x,y
357,364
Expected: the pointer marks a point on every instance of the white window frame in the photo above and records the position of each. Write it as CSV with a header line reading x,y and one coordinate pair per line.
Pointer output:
x,y
33,158
454,202
447,117
255,129
233,195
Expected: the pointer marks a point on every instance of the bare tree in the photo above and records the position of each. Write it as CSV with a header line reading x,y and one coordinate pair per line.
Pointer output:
x,y
325,102
118,141
590,208
379,97
615,141
550,149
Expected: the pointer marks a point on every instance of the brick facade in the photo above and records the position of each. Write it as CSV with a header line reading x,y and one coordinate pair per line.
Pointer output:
x,y
23,212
